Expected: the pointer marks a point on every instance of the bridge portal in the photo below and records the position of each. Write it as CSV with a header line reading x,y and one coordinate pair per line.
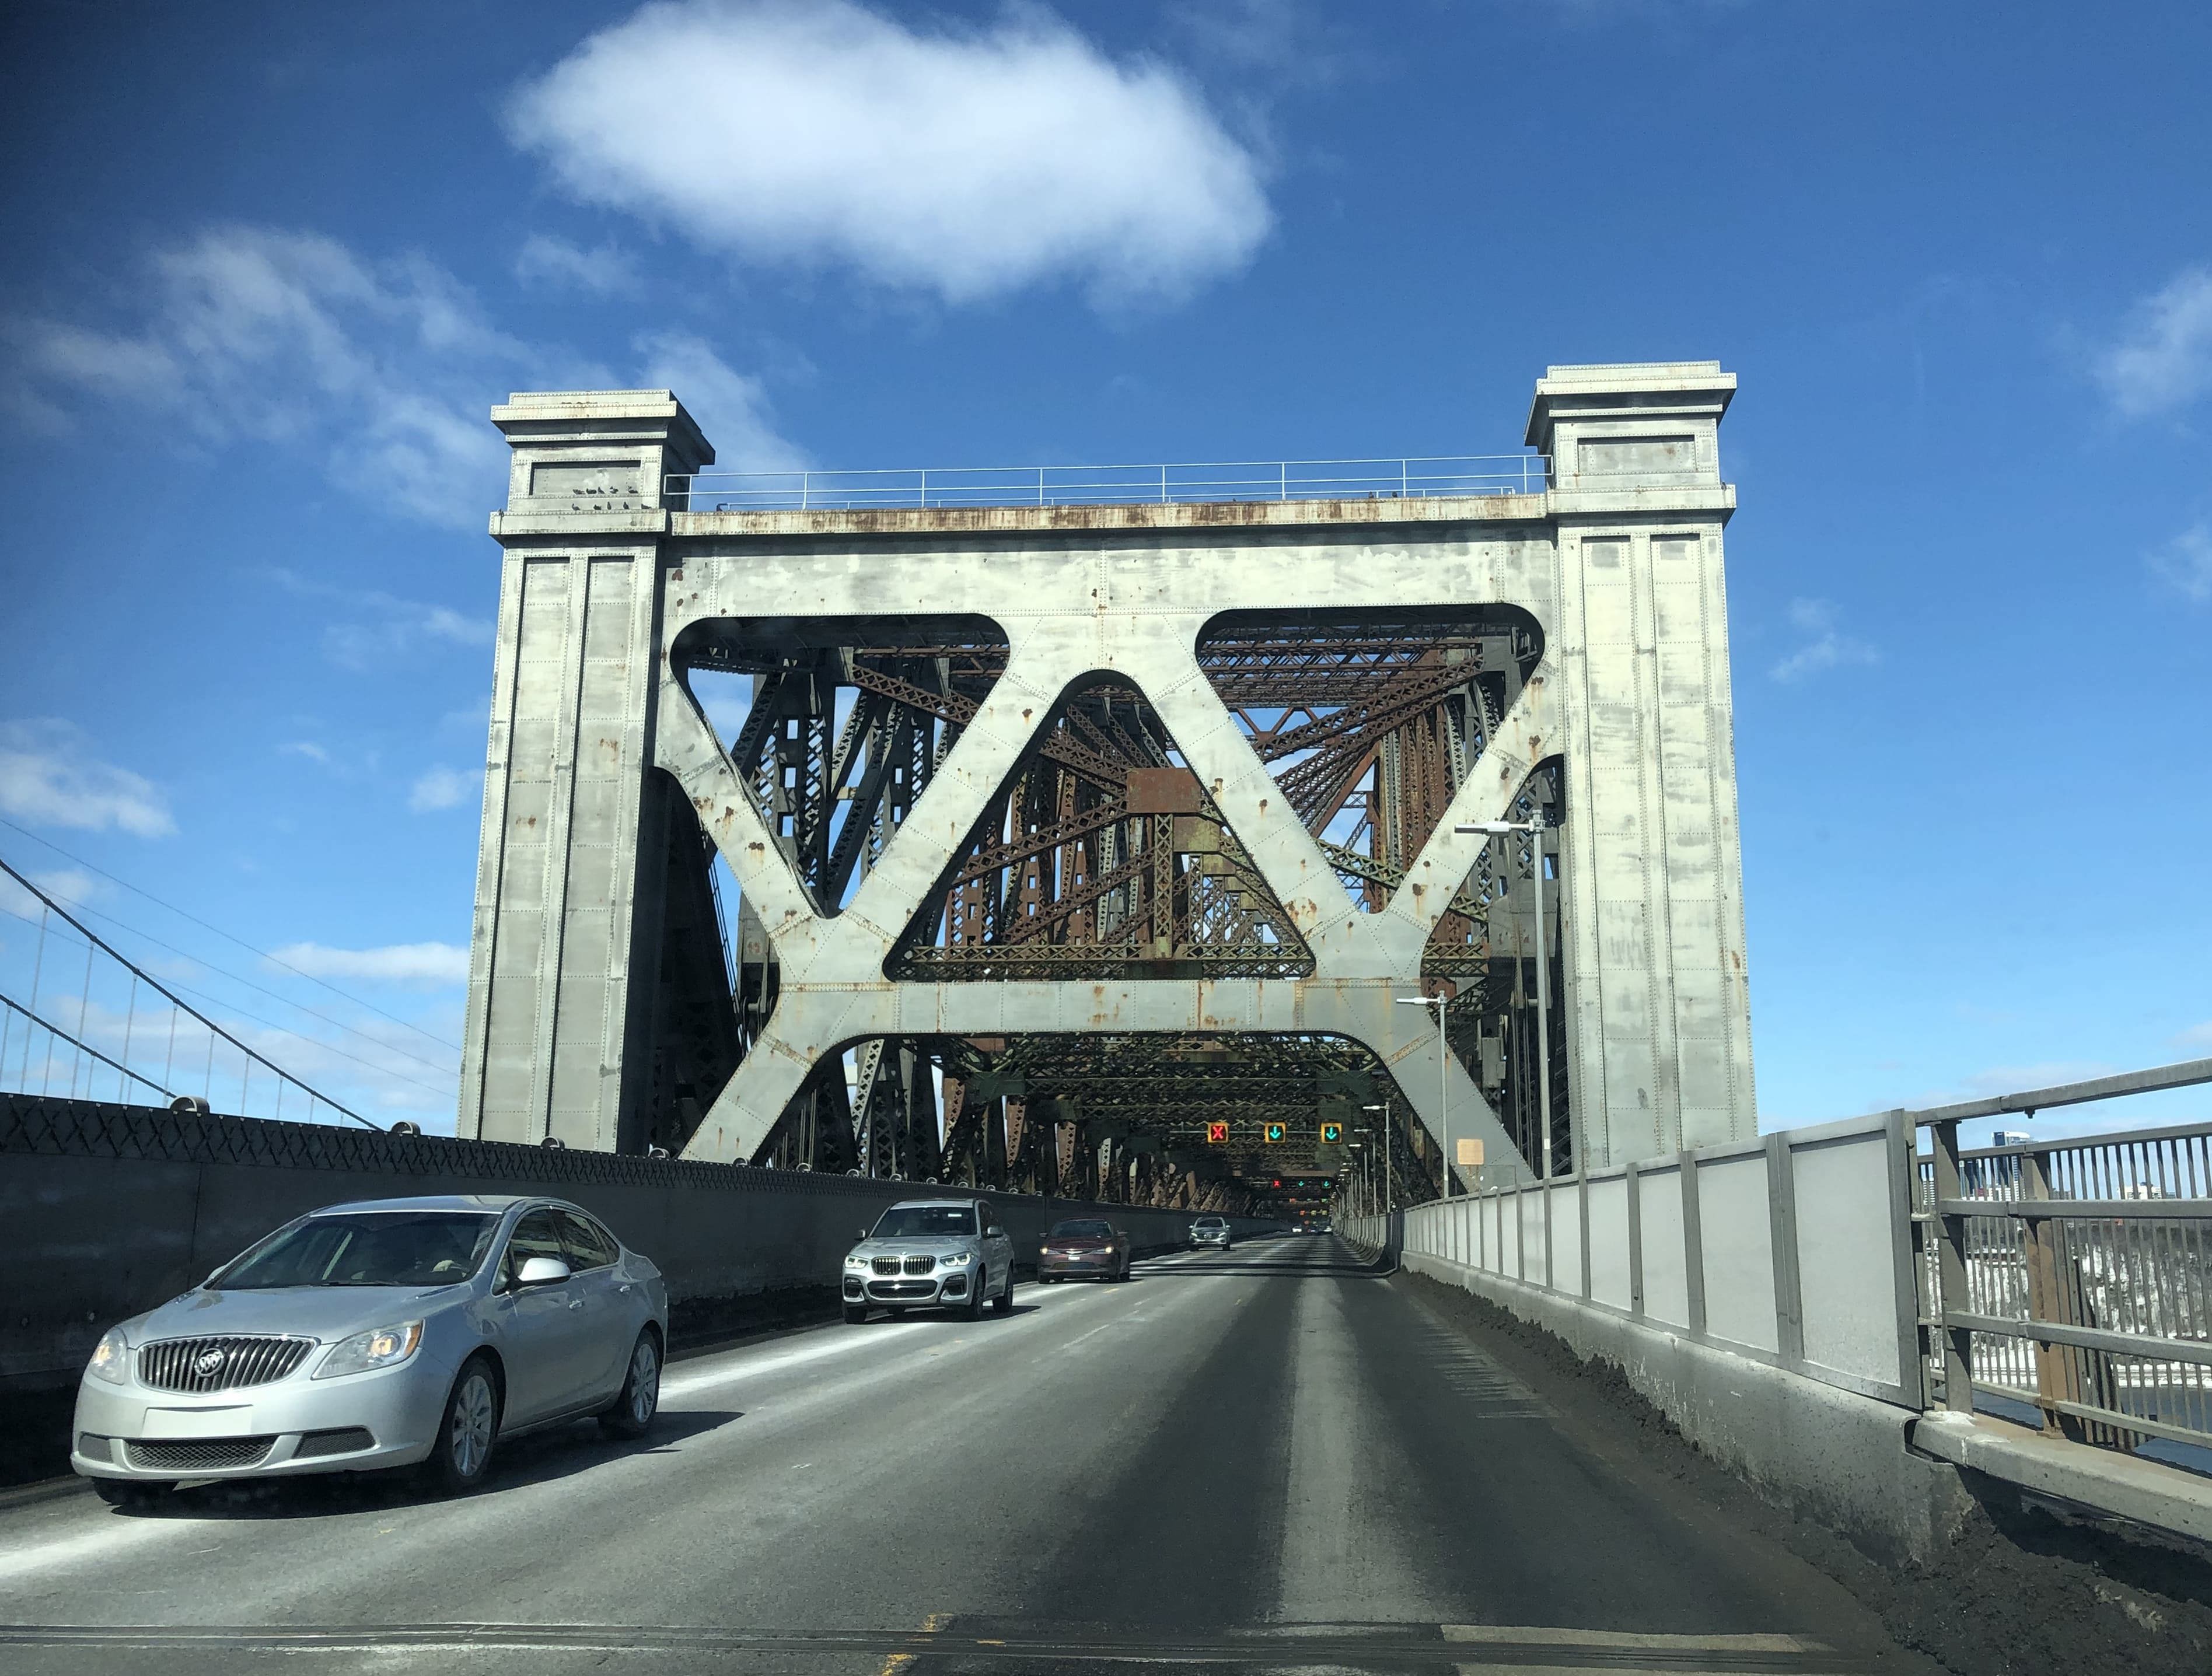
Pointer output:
x,y
1072,813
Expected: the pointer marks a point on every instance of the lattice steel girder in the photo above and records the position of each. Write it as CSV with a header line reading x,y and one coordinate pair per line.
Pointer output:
x,y
1617,565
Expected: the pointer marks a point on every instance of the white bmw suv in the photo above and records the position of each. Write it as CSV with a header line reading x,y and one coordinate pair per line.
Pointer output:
x,y
929,1254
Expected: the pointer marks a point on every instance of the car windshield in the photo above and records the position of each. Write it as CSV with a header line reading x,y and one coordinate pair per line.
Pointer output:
x,y
1212,1222
1080,1230
905,1221
366,1248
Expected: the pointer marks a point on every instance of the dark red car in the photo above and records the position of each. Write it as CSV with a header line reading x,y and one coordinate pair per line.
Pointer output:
x,y
1086,1249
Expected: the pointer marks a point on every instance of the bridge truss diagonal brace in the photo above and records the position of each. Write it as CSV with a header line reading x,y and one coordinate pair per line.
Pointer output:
x,y
850,947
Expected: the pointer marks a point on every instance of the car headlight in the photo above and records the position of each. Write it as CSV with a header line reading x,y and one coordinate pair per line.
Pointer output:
x,y
378,1347
111,1358
856,1262
956,1260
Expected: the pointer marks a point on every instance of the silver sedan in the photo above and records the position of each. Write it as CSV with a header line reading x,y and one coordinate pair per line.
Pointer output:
x,y
392,1333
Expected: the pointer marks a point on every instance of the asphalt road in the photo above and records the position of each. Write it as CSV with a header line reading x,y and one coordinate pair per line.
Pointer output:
x,y
1265,1459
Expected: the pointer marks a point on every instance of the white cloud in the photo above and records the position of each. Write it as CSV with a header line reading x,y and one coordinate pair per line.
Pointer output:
x,y
731,409
443,788
969,162
2185,563
378,626
1826,649
50,777
383,369
307,747
72,886
277,336
2165,360
2197,1035
604,270
427,964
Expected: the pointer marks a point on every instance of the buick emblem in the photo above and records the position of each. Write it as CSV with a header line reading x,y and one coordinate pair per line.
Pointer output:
x,y
208,1362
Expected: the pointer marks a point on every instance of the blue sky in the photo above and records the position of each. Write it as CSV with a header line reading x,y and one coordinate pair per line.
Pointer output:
x,y
267,266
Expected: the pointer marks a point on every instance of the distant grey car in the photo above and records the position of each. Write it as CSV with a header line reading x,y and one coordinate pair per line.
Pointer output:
x,y
392,1333
1210,1232
926,1253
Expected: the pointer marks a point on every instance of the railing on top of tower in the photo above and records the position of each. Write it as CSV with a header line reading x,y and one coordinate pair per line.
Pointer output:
x,y
926,488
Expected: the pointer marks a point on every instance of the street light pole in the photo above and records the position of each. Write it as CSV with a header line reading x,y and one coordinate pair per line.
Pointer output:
x,y
1390,1194
1444,1076
1535,829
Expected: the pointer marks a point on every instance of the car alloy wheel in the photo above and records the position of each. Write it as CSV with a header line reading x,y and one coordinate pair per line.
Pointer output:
x,y
469,1431
976,1288
639,1400
1003,1303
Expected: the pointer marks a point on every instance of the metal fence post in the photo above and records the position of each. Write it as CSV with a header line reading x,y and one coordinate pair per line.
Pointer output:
x,y
2057,1367
1693,1246
1782,1240
1635,1182
1951,1272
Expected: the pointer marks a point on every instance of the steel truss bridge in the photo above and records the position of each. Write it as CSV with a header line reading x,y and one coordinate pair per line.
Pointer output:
x,y
1062,836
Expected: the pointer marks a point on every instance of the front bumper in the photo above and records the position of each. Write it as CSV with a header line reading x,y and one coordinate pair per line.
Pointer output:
x,y
908,1292
289,1427
1091,1263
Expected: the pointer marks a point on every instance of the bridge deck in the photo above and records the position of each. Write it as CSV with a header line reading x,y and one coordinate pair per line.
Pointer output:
x,y
1268,1460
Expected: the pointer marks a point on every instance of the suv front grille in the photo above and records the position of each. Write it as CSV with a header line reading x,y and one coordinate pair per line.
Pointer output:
x,y
219,1365
919,1265
198,1454
886,1265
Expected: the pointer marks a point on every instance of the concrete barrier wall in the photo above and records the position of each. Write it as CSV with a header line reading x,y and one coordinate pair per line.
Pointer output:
x,y
1795,1251
105,1210
1761,1297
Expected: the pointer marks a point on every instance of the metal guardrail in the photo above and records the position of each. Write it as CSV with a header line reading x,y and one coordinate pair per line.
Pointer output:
x,y
923,488
2073,1275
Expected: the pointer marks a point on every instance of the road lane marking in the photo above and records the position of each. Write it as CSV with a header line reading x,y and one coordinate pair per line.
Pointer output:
x,y
105,1539
1523,1635
1359,1644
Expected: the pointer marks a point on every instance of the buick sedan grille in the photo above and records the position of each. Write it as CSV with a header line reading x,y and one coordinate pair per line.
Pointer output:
x,y
200,1455
219,1365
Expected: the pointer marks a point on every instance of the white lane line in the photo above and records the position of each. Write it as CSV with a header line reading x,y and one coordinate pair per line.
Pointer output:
x,y
1541,1636
110,1536
860,1338
720,1373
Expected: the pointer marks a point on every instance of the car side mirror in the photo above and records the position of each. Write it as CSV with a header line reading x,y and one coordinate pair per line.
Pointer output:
x,y
541,1272
860,1233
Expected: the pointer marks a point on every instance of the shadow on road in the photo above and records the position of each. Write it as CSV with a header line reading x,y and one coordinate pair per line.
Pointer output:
x,y
561,1453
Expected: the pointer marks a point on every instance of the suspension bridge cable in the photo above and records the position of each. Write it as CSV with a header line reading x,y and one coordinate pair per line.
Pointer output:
x,y
218,1001
160,988
274,995
13,1005
226,936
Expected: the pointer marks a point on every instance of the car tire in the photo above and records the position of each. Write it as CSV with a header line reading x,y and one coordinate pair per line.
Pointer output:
x,y
855,1314
638,1400
973,1310
1003,1303
131,1493
468,1431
